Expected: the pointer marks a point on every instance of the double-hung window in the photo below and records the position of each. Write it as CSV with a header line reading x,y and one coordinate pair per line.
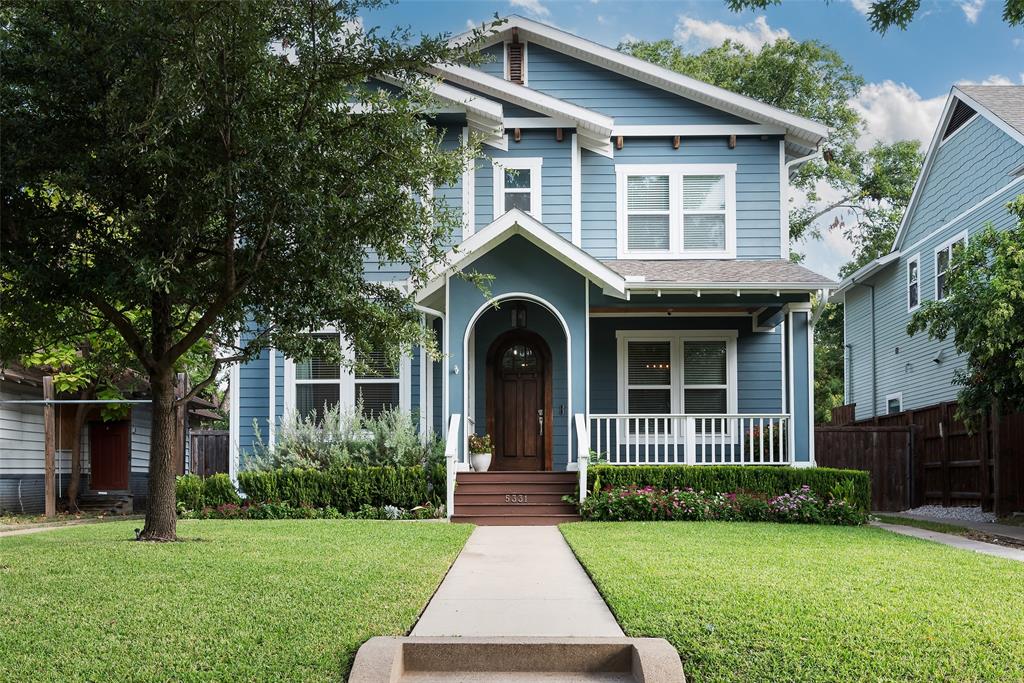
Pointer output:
x,y
517,185
677,211
914,282
672,372
318,384
944,256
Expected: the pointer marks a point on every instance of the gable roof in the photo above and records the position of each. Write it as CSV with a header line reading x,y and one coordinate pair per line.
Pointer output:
x,y
594,128
802,134
483,116
1003,98
516,222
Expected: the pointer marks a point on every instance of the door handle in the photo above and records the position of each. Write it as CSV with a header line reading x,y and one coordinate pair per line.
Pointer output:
x,y
540,422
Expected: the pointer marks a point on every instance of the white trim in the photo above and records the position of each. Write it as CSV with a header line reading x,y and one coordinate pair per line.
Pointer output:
x,y
468,191
568,358
810,393
676,174
697,131
916,260
576,190
672,314
422,408
272,417
515,222
531,164
898,396
783,407
791,402
586,346
446,357
945,247
970,119
676,339
537,122
805,131
234,417
484,116
783,203
644,287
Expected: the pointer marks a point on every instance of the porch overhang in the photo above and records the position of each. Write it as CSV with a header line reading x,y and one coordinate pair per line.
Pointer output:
x,y
516,222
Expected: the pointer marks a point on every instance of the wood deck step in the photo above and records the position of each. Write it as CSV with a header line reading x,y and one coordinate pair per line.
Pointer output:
x,y
517,477
513,509
472,495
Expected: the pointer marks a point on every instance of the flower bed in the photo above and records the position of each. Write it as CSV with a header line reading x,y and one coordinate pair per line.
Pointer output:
x,y
637,504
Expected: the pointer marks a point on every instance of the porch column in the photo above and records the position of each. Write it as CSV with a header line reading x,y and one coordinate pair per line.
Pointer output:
x,y
800,358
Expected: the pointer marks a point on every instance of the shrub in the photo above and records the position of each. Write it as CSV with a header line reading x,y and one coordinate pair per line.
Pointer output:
x,y
346,489
654,504
194,492
250,510
762,481
189,491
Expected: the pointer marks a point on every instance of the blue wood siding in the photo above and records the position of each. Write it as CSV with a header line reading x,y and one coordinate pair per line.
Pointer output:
x,y
494,63
972,164
757,189
630,102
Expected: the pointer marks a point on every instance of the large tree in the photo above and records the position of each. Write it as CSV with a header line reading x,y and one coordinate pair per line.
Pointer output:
x,y
984,314
185,170
884,14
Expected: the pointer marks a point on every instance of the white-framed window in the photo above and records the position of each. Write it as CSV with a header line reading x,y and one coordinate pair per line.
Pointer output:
x,y
914,282
517,185
944,255
894,403
676,210
673,372
315,384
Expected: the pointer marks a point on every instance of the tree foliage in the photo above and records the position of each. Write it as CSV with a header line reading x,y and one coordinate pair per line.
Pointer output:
x,y
828,362
884,14
179,171
984,314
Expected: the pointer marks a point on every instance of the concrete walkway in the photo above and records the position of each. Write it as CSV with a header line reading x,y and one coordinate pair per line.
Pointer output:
x,y
955,541
517,581
991,528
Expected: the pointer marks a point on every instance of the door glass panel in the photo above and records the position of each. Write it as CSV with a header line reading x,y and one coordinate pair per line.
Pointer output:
x,y
519,358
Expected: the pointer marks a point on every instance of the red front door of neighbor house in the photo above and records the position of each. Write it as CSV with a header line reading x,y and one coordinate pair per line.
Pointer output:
x,y
109,452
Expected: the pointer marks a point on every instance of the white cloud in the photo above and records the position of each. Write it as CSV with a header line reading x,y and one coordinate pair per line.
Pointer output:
x,y
971,8
895,111
861,6
694,33
628,38
601,19
533,7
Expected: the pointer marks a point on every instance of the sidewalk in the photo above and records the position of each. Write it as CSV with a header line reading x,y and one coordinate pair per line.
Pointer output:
x,y
955,541
517,581
991,528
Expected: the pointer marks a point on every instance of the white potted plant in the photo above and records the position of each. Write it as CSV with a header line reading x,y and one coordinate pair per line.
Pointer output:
x,y
480,452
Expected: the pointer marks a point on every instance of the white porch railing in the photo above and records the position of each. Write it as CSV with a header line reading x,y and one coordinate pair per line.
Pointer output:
x,y
451,456
660,439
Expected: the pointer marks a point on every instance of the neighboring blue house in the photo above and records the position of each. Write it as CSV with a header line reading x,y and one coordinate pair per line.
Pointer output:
x,y
974,167
643,302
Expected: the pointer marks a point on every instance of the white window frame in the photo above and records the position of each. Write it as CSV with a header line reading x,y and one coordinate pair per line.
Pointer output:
x,y
347,381
676,339
916,260
676,173
947,247
531,164
898,396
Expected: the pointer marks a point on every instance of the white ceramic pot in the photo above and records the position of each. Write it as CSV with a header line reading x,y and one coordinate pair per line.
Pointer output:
x,y
480,461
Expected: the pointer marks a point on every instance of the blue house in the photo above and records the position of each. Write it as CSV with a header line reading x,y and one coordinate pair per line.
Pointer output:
x,y
643,306
973,168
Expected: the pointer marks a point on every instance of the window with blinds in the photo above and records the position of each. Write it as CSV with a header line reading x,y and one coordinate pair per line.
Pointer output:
x,y
677,211
705,377
318,383
944,261
376,381
649,377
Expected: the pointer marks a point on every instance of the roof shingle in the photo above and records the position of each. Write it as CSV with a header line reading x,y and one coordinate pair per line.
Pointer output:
x,y
768,272
1004,101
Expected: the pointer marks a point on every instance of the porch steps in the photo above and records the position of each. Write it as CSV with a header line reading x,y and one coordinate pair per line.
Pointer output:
x,y
114,503
514,498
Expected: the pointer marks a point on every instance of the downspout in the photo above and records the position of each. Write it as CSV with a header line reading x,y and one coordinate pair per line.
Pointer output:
x,y
874,367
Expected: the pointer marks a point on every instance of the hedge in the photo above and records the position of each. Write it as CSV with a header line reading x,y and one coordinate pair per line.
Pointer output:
x,y
768,481
346,489
195,492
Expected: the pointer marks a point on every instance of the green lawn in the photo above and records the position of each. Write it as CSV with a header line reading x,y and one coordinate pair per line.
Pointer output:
x,y
240,601
767,602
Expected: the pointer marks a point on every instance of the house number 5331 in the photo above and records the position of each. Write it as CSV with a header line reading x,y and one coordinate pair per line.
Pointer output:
x,y
515,498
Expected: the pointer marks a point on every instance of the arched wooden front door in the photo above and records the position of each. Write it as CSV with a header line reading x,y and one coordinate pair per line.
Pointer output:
x,y
519,401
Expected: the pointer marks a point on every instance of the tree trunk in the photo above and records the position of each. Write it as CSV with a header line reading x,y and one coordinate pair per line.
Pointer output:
x,y
161,513
81,410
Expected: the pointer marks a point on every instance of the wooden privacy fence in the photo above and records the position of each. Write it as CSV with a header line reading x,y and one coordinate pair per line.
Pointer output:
x,y
209,452
937,461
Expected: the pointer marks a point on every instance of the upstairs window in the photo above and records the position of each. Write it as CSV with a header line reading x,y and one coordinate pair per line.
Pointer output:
x,y
944,260
517,185
913,283
677,211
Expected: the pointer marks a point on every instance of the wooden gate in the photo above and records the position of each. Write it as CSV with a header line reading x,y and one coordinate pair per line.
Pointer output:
x,y
209,452
885,452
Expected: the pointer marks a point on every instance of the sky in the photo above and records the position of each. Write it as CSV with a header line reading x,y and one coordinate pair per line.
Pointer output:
x,y
908,73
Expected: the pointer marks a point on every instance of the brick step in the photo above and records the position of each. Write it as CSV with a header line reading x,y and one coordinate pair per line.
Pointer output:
x,y
472,496
517,477
507,520
527,488
514,510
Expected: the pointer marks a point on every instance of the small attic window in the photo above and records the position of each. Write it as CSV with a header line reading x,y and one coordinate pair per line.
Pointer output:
x,y
516,59
961,115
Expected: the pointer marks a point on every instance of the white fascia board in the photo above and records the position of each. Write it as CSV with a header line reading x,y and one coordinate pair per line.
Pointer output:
x,y
657,76
694,131
788,287
516,222
589,123
863,273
